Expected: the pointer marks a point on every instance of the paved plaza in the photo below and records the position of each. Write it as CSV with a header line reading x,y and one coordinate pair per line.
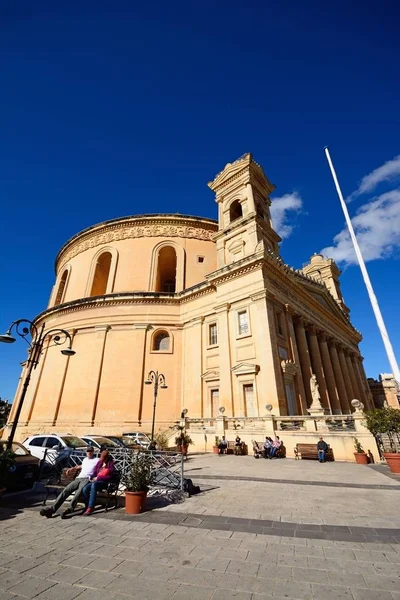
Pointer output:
x,y
258,530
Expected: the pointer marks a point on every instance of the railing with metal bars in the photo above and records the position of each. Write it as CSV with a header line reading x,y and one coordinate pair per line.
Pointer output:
x,y
168,467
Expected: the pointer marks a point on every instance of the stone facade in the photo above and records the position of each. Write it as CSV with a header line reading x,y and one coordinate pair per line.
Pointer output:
x,y
384,391
211,305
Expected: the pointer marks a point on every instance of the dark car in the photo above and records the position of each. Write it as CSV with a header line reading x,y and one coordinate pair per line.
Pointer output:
x,y
25,471
123,441
100,442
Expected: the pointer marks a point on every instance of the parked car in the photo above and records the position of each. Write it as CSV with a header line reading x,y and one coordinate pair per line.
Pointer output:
x,y
100,442
140,438
25,471
54,443
123,441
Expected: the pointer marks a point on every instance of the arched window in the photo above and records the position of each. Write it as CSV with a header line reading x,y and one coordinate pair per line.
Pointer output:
x,y
161,342
166,270
101,274
235,211
61,288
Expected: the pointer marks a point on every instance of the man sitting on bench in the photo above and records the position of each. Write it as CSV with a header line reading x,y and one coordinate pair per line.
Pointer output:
x,y
223,445
322,448
85,472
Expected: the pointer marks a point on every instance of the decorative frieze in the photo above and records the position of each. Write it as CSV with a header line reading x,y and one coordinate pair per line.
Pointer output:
x,y
118,232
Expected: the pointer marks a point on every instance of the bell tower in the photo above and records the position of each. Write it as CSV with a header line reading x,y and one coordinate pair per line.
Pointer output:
x,y
242,193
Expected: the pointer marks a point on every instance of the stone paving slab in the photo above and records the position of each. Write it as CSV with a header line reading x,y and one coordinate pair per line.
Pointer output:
x,y
205,549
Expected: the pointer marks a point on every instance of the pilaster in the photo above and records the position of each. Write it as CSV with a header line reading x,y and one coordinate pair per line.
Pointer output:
x,y
225,383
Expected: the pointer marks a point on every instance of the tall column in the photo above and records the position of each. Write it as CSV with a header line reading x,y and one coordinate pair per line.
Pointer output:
x,y
304,357
346,376
354,382
302,399
316,363
329,376
339,379
360,385
358,363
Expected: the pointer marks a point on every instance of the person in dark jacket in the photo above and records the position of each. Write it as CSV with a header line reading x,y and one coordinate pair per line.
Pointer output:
x,y
322,448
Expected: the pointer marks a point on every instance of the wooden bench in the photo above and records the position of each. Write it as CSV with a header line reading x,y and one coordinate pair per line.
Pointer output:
x,y
258,450
59,479
309,451
237,450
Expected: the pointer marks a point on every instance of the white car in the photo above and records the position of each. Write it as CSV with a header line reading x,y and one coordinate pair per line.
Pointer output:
x,y
139,438
53,443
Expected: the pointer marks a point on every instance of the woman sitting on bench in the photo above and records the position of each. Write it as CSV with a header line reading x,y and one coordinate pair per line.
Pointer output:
x,y
99,481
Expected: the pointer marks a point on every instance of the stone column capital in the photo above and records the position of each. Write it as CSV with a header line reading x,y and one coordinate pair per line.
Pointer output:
x,y
311,328
298,320
290,310
259,296
222,307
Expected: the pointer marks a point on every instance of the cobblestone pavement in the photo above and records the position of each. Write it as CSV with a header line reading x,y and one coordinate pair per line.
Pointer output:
x,y
259,530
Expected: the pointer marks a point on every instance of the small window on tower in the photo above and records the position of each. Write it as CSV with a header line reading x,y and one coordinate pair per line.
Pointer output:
x,y
200,259
235,211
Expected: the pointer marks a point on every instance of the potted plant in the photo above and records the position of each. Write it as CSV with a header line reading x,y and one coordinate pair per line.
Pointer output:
x,y
359,454
216,445
384,424
161,438
7,462
137,478
183,441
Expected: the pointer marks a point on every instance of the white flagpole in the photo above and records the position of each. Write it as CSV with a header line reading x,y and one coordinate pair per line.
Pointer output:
x,y
374,302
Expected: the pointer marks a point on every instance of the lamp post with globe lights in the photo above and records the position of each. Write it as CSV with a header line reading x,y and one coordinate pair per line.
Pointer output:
x,y
157,379
25,328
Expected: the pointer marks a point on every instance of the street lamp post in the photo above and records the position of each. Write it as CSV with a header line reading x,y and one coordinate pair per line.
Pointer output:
x,y
159,380
38,336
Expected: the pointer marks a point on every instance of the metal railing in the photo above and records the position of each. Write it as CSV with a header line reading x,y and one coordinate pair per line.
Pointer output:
x,y
168,467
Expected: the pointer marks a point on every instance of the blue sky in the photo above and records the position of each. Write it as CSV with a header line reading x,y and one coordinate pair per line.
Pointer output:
x,y
111,109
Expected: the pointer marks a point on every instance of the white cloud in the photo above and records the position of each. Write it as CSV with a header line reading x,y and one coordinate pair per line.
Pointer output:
x,y
388,171
282,209
377,227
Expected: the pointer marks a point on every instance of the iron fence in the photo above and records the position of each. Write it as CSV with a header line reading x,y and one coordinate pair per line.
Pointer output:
x,y
388,442
168,467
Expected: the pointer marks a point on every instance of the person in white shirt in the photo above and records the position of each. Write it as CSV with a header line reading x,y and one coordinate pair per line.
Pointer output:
x,y
85,472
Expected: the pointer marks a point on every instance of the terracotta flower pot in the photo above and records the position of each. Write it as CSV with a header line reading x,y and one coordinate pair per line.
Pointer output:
x,y
215,449
183,449
134,502
361,458
393,461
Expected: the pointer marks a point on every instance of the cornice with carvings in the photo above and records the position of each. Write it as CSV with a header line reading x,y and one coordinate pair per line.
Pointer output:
x,y
305,304
144,227
311,319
